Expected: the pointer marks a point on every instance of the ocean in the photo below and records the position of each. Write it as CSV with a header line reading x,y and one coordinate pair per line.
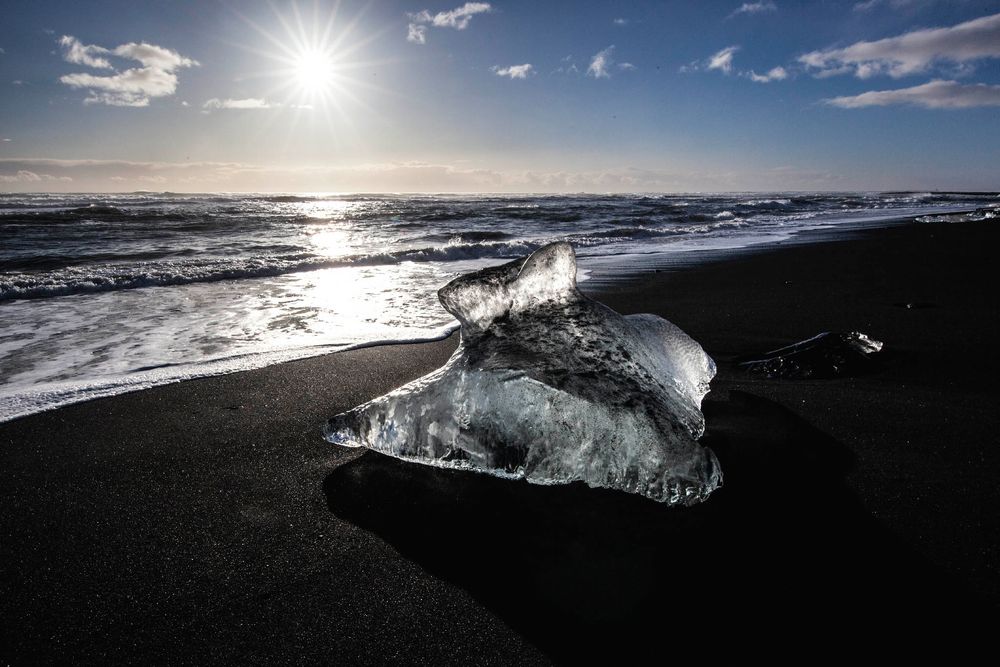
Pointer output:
x,y
106,293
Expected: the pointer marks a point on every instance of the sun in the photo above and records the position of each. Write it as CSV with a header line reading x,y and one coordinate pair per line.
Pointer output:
x,y
315,57
314,71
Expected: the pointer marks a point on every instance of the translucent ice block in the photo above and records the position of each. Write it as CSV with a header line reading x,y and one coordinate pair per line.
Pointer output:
x,y
552,387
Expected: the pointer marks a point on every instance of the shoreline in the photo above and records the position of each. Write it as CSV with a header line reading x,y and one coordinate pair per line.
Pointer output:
x,y
208,518
608,278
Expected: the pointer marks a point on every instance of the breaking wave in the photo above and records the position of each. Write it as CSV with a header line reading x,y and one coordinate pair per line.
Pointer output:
x,y
107,278
978,215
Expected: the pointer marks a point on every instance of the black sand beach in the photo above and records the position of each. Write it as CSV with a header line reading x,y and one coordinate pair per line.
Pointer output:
x,y
209,521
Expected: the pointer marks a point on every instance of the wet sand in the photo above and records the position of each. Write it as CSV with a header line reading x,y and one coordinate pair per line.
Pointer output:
x,y
209,521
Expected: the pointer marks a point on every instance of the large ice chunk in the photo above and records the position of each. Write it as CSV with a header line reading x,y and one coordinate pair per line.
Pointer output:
x,y
552,387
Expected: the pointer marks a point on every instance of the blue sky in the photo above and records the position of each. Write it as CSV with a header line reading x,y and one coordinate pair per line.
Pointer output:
x,y
500,96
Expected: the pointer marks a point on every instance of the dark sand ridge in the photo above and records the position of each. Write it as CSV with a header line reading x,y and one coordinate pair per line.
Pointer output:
x,y
209,520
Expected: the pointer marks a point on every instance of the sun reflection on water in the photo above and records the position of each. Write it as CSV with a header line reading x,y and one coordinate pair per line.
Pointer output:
x,y
332,209
332,242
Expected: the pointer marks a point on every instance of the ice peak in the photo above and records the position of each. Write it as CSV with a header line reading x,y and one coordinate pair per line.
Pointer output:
x,y
545,276
549,270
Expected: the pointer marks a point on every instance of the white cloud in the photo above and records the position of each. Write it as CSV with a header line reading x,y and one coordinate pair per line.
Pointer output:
x,y
627,67
723,60
514,71
457,19
2,51
154,56
620,21
94,175
194,176
246,103
413,176
133,87
79,54
754,8
913,52
774,74
416,33
869,5
567,66
600,63
935,94
25,176
6,139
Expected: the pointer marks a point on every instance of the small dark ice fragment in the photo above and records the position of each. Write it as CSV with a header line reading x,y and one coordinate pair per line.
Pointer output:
x,y
827,355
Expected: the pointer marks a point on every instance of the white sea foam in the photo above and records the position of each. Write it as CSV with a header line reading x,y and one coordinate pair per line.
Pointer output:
x,y
970,216
48,395
62,350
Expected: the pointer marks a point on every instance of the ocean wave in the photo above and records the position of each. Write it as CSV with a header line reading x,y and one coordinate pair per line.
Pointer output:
x,y
40,262
445,215
768,203
467,237
638,233
545,214
116,213
74,214
457,252
83,280
153,219
22,204
629,233
970,216
138,240
285,199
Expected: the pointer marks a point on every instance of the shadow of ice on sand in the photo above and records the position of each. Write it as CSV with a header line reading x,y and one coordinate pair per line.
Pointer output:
x,y
784,546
